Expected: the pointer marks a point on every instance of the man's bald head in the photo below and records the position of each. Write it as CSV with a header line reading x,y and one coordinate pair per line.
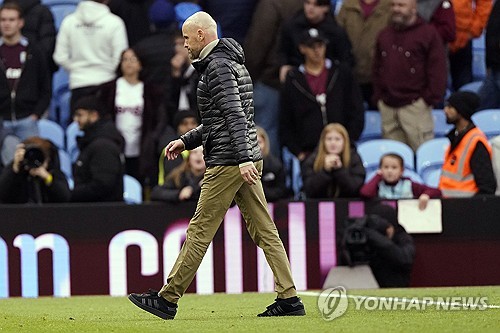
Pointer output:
x,y
198,30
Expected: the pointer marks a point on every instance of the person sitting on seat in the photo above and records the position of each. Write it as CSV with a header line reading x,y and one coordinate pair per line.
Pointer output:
x,y
34,176
389,183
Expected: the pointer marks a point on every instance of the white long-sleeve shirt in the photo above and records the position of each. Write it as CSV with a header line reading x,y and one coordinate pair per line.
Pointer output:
x,y
89,44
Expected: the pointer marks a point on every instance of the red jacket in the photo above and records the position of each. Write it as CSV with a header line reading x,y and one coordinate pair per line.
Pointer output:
x,y
409,64
370,189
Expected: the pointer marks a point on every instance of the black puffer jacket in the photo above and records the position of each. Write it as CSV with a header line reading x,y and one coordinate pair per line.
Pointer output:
x,y
98,172
225,102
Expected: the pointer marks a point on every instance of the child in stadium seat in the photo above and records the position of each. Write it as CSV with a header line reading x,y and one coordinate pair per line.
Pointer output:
x,y
389,183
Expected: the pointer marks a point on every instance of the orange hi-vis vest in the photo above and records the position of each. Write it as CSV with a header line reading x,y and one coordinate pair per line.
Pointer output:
x,y
457,179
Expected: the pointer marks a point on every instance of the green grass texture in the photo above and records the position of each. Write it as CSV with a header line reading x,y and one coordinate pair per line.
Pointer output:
x,y
237,313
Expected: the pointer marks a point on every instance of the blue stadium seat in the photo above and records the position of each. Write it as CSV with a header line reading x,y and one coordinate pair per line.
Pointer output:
x,y
72,131
431,178
52,131
60,9
65,164
373,126
291,165
56,2
63,99
478,65
371,151
132,190
473,86
441,128
488,121
430,157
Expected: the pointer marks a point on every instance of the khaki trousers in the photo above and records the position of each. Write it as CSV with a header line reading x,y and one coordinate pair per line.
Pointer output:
x,y
412,124
220,185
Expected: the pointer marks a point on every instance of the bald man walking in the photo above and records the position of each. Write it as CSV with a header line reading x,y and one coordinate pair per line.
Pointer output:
x,y
234,169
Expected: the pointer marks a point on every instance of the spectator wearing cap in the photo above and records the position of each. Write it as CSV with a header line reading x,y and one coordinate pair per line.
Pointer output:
x,y
98,171
467,168
88,45
138,112
320,91
134,14
409,75
315,14
363,20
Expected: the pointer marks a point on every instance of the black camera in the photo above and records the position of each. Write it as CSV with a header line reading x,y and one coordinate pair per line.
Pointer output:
x,y
33,157
356,247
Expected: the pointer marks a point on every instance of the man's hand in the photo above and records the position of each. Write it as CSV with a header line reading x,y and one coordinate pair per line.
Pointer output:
x,y
174,148
249,174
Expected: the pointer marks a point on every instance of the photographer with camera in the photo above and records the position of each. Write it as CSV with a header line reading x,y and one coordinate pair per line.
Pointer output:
x,y
378,240
34,175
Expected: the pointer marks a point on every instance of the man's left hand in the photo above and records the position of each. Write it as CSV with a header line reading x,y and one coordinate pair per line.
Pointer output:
x,y
249,174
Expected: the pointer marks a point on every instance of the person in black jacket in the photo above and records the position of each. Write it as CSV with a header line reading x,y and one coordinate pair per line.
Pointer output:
x,y
34,176
273,174
335,169
319,92
392,249
25,90
234,167
99,169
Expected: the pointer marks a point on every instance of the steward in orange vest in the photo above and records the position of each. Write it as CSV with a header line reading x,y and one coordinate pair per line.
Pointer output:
x,y
467,168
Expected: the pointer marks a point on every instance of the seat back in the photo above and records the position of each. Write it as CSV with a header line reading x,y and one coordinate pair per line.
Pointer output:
x,y
60,10
430,156
472,86
51,131
132,190
488,121
72,132
441,128
372,151
65,164
372,128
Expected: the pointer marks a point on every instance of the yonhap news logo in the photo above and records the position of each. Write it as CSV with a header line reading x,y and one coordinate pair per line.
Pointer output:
x,y
333,303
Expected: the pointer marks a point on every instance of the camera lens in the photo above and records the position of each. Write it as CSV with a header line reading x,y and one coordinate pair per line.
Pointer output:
x,y
33,157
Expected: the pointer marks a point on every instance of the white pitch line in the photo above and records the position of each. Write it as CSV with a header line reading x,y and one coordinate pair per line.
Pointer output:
x,y
406,299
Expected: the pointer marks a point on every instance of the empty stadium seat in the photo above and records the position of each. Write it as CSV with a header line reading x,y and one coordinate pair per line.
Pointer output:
x,y
373,126
65,164
441,128
371,151
52,131
291,165
72,132
132,190
488,121
473,86
430,157
60,9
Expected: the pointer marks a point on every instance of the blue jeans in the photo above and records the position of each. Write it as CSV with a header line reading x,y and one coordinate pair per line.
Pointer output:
x,y
267,107
490,91
22,128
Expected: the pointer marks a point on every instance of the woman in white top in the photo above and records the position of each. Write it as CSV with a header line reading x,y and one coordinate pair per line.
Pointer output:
x,y
139,114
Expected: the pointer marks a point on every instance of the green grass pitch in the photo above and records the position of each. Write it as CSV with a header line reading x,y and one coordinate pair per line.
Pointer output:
x,y
237,313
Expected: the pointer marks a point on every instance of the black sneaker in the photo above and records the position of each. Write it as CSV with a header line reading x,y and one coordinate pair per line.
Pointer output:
x,y
281,307
155,304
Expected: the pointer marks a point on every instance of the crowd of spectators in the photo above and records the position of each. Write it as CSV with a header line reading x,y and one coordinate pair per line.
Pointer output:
x,y
314,74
